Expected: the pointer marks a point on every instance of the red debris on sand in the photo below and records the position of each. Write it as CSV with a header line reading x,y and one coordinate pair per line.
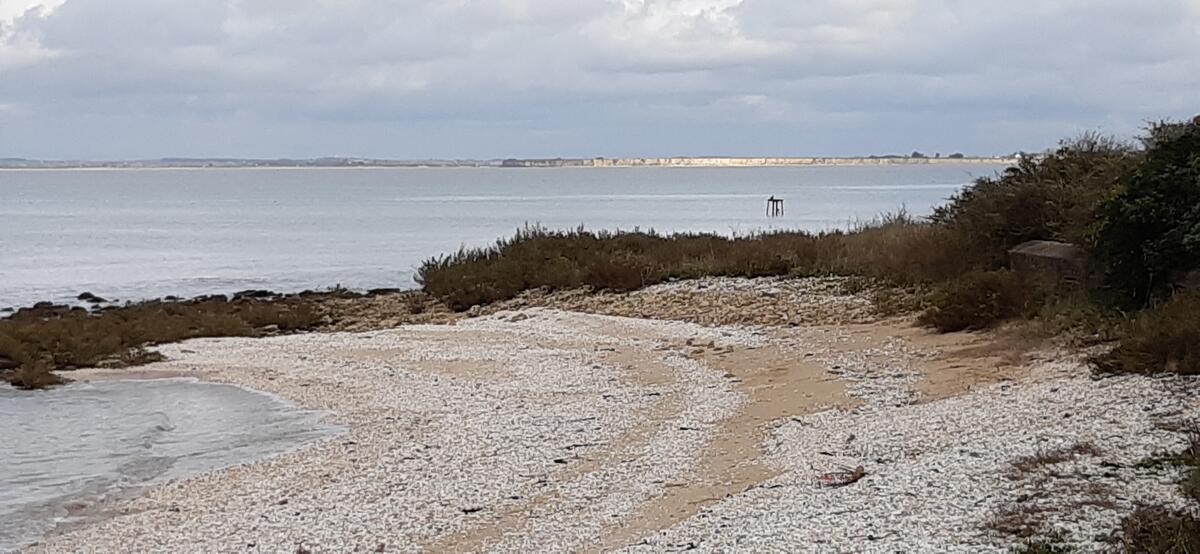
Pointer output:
x,y
842,478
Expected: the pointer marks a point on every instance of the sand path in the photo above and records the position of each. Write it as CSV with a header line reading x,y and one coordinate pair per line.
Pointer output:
x,y
546,430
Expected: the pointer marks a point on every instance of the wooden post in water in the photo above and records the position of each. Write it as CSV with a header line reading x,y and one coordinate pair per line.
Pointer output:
x,y
774,207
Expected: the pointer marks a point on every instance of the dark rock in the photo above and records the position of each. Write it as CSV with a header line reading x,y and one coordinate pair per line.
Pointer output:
x,y
89,297
210,298
381,292
7,364
254,293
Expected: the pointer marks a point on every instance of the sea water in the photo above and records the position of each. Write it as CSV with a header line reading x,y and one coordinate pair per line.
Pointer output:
x,y
73,445
132,234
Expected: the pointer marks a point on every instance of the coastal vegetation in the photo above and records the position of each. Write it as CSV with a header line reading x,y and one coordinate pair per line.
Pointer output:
x,y
42,339
1133,208
896,247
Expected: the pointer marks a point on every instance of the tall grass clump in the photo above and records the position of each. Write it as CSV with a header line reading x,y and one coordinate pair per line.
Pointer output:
x,y
895,248
1163,339
901,249
980,300
540,258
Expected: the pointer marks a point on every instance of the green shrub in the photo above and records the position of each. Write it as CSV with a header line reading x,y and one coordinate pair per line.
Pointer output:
x,y
1150,229
1160,340
978,300
1050,198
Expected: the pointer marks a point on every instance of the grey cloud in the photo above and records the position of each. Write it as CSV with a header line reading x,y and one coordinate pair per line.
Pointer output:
x,y
457,78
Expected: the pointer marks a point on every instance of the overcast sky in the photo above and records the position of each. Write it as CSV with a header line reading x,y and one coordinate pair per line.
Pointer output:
x,y
107,79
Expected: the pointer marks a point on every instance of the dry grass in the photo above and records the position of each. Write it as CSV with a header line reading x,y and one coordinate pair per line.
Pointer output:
x,y
41,341
1158,530
1029,464
1164,339
416,302
902,251
979,300
1188,458
1023,521
1162,530
537,258
896,250
1026,519
1042,546
32,377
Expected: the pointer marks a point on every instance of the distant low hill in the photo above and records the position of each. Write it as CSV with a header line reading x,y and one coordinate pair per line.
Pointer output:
x,y
713,161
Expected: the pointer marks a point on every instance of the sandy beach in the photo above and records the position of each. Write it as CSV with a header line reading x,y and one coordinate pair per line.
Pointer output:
x,y
685,416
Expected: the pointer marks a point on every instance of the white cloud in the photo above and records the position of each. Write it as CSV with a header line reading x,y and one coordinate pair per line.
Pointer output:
x,y
19,48
711,75
11,9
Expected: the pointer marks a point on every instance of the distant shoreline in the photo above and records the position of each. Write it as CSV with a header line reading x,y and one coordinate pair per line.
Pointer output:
x,y
511,163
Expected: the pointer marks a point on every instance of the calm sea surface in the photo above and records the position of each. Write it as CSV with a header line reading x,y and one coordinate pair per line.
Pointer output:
x,y
149,233
73,445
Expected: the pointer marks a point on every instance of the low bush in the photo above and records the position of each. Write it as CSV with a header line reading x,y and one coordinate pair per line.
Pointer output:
x,y
1159,340
1150,229
1158,530
1076,317
1052,197
901,250
895,249
32,377
40,342
979,300
539,258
